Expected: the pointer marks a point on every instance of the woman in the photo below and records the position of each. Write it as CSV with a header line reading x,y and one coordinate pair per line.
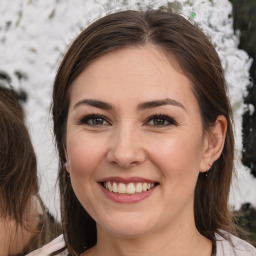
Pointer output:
x,y
23,223
144,134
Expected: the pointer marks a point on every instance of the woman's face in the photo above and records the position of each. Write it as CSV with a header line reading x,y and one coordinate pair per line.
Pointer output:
x,y
135,143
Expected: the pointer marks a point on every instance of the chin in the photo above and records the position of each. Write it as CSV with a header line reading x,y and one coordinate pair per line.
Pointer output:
x,y
128,232
127,227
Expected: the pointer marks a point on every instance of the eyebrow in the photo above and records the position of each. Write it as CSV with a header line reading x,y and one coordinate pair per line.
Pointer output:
x,y
93,103
159,103
142,106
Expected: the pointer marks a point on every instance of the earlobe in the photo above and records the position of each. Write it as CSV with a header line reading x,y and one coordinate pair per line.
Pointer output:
x,y
214,143
67,164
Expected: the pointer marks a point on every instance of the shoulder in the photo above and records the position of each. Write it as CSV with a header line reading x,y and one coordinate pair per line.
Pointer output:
x,y
233,246
54,246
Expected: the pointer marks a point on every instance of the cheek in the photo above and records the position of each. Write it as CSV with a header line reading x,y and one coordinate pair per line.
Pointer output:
x,y
178,156
83,155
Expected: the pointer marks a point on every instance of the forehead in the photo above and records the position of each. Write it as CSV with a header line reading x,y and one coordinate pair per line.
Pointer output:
x,y
139,73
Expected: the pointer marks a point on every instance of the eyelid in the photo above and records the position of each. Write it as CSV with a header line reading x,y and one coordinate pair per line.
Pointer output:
x,y
164,117
83,120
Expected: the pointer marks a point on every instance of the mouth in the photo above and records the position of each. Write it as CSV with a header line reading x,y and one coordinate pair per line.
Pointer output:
x,y
131,188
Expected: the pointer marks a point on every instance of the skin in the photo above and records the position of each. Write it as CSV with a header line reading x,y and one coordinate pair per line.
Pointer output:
x,y
13,237
126,141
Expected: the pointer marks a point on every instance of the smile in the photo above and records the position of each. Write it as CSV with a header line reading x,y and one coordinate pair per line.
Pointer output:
x,y
129,188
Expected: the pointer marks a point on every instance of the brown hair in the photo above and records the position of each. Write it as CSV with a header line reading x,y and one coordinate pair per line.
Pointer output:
x,y
18,167
199,61
18,176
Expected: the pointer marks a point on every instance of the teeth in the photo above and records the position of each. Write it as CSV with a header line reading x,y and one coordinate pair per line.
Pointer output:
x,y
130,188
121,188
115,188
145,187
139,187
109,186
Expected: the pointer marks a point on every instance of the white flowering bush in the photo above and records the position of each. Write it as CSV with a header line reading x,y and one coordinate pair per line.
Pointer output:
x,y
35,33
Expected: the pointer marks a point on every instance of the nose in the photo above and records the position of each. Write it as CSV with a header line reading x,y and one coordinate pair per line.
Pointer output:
x,y
126,148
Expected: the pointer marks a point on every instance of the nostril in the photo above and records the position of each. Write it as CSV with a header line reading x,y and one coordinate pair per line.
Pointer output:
x,y
126,155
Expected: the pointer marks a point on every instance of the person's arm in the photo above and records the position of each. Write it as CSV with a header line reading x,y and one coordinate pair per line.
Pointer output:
x,y
14,238
4,238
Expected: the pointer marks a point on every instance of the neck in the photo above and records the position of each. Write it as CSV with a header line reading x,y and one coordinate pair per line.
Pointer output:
x,y
179,241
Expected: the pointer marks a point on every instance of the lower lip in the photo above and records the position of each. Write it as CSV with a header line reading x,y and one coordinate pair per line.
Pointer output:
x,y
127,199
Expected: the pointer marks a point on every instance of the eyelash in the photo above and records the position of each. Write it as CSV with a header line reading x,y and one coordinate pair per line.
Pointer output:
x,y
85,120
161,117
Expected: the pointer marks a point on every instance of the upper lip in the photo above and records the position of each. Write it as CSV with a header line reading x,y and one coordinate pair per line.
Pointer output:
x,y
127,180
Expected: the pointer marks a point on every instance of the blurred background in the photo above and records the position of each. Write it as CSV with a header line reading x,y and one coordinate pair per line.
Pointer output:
x,y
34,35
245,22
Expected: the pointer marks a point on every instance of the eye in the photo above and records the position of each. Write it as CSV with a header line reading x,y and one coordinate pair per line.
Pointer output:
x,y
160,120
94,120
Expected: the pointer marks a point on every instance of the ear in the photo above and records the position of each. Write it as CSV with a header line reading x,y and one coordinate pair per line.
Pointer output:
x,y
67,164
214,140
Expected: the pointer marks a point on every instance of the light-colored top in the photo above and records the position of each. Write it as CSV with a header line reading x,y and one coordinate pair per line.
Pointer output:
x,y
237,247
55,245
